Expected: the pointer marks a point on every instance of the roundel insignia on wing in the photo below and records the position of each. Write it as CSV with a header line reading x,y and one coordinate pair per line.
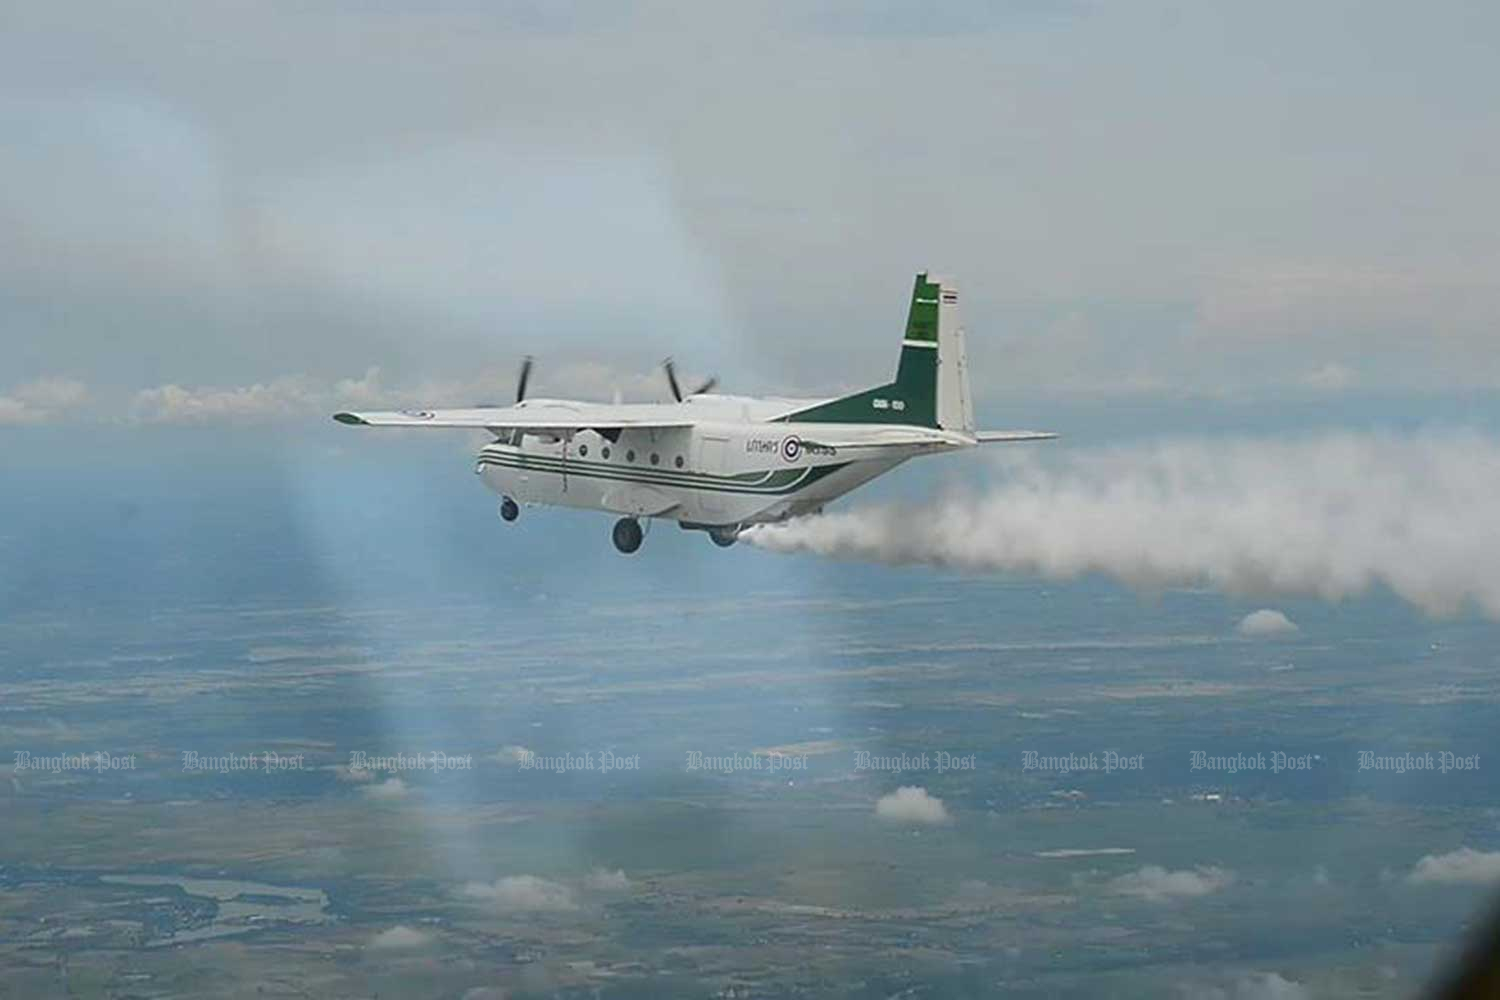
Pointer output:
x,y
791,448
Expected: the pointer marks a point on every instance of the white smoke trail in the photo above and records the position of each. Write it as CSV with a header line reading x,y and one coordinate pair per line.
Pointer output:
x,y
1330,515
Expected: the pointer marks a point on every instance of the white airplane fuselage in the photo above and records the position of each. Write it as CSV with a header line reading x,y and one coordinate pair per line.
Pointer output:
x,y
717,472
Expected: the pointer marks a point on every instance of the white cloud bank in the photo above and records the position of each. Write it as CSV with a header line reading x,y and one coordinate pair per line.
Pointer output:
x,y
1256,986
512,753
1156,884
1330,515
399,937
911,805
386,791
286,397
1266,623
602,880
41,401
522,894
1464,866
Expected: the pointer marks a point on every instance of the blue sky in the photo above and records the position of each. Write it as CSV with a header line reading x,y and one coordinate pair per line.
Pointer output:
x,y
251,212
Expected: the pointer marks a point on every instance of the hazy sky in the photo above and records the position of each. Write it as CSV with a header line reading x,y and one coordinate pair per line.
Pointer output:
x,y
234,210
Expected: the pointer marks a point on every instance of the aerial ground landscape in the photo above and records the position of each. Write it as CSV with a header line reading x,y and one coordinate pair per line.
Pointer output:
x,y
612,866
1199,699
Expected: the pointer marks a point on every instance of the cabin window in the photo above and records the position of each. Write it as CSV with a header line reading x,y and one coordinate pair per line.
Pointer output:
x,y
605,452
655,458
630,455
583,450
677,461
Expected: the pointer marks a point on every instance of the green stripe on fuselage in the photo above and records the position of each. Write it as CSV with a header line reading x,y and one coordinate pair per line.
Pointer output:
x,y
575,464
775,482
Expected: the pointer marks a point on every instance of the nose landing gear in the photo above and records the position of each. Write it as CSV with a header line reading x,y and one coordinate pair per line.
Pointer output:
x,y
628,535
725,536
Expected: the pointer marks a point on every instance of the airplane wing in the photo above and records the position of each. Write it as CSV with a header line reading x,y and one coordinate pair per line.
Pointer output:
x,y
919,437
555,417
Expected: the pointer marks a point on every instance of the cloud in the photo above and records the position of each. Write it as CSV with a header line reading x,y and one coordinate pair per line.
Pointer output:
x,y
13,411
512,753
1255,986
52,393
1462,866
279,399
1266,623
601,880
399,937
912,805
1084,852
1330,378
413,157
387,790
41,401
289,397
1156,884
522,894
1331,515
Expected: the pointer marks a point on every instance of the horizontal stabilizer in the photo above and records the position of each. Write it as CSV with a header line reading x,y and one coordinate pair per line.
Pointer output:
x,y
888,437
1002,437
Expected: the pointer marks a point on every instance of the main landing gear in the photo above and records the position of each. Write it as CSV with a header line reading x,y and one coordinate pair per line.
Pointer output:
x,y
628,535
509,510
725,536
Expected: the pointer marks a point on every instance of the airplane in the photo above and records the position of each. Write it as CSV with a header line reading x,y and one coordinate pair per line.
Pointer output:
x,y
721,463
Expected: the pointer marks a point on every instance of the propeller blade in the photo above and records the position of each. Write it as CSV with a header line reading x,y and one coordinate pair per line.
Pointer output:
x,y
708,386
670,367
526,364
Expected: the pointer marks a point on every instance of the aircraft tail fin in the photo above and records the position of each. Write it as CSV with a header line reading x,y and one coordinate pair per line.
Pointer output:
x,y
931,388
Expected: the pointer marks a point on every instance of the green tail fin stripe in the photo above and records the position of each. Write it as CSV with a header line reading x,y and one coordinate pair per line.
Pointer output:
x,y
912,398
922,320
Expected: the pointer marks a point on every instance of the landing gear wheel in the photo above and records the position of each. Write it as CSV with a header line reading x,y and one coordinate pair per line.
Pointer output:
x,y
724,537
628,535
509,509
